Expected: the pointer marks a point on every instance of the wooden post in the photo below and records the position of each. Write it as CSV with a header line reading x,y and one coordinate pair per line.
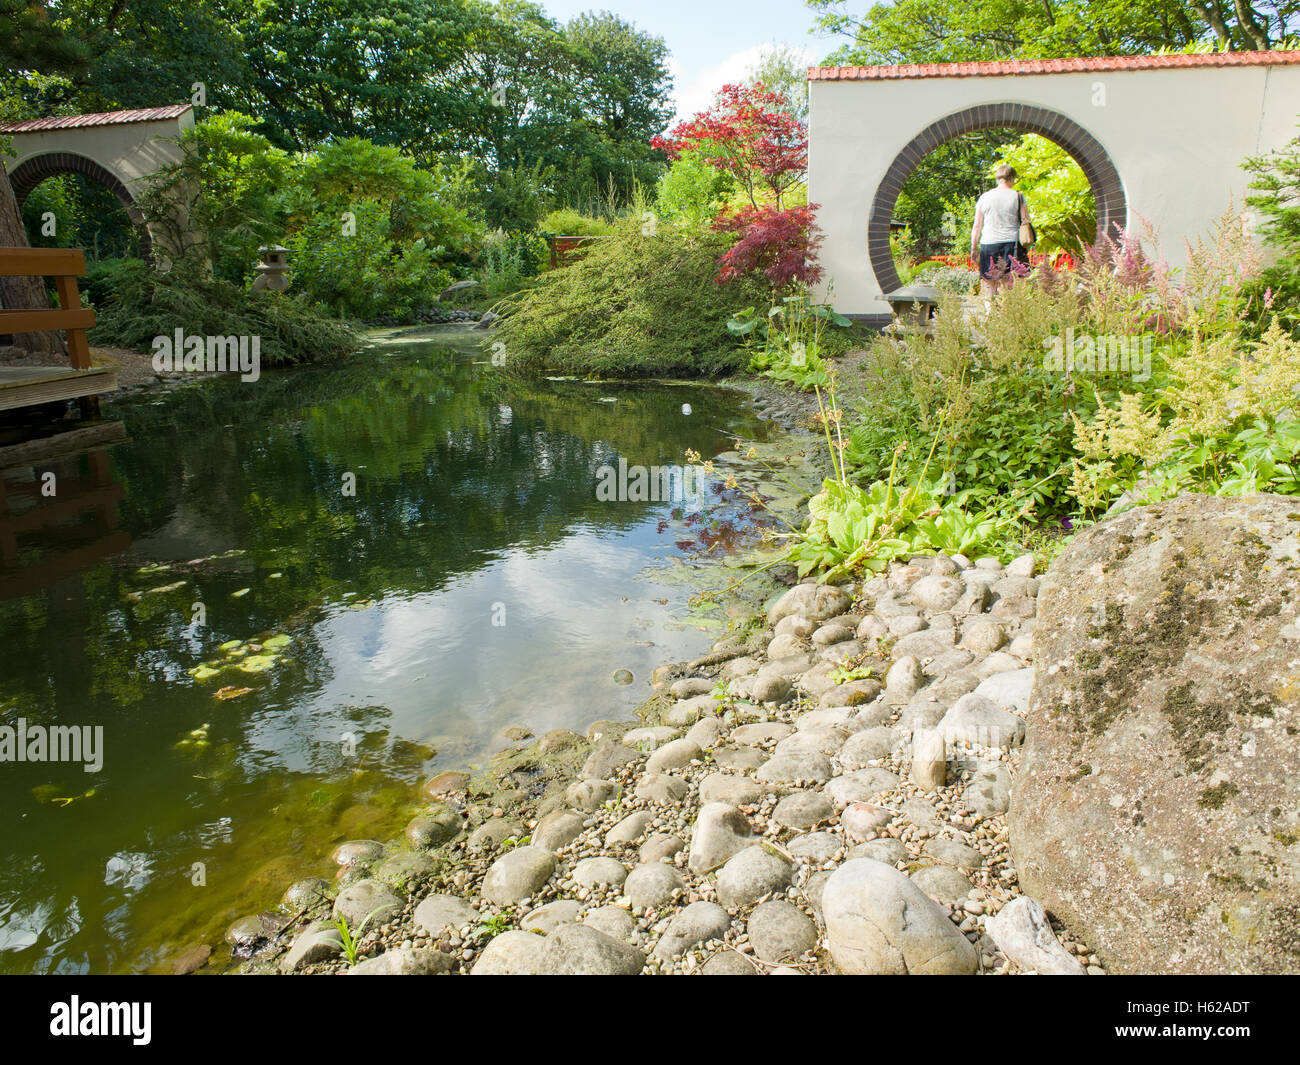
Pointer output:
x,y
70,300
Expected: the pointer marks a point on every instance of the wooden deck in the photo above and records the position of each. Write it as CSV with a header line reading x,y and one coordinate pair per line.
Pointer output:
x,y
26,386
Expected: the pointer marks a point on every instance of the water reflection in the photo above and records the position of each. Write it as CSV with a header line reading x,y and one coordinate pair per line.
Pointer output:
x,y
347,644
58,508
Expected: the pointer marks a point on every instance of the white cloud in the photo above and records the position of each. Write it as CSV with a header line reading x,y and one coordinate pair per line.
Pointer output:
x,y
695,94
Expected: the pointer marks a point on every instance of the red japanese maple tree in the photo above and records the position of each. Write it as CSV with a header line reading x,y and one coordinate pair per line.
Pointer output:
x,y
748,135
782,244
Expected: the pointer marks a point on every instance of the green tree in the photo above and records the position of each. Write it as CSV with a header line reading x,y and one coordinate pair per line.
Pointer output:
x,y
691,191
223,199
32,36
1060,198
622,94
948,31
783,70
151,52
391,71
372,234
1275,194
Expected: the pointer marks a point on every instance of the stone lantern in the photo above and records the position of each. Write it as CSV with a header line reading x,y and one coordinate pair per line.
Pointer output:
x,y
273,270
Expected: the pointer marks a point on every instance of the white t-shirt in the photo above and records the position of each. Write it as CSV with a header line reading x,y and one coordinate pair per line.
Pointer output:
x,y
1001,209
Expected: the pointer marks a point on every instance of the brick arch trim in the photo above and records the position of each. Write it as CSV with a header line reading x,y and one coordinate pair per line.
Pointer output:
x,y
31,172
1083,147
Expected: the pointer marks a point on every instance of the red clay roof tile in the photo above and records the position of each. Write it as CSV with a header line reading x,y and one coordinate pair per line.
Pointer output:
x,y
108,118
1076,65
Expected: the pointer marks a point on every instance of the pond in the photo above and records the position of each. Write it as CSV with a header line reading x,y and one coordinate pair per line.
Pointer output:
x,y
282,604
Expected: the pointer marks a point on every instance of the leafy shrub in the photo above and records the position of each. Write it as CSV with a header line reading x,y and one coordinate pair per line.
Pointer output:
x,y
969,437
508,263
782,245
1275,193
229,183
568,222
515,199
852,528
791,341
691,191
104,275
957,280
143,303
635,305
1013,424
369,273
1223,423
372,234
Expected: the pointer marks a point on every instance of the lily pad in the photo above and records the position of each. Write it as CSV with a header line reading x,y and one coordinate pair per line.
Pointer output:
x,y
274,643
258,663
241,593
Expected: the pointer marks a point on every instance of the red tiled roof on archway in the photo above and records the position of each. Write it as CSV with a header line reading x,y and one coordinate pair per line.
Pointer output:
x,y
106,118
1078,65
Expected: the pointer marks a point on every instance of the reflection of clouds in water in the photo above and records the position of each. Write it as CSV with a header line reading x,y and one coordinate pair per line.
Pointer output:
x,y
449,674
129,870
575,611
22,929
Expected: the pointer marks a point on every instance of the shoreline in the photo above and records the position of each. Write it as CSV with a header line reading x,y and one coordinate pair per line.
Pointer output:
x,y
700,836
788,748
671,845
535,770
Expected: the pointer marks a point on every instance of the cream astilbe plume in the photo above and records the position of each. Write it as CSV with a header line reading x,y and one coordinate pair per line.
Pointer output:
x,y
1270,376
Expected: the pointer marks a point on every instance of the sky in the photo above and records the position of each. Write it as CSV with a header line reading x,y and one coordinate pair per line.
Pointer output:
x,y
712,42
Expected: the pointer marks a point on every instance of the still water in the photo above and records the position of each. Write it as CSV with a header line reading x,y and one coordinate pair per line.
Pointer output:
x,y
403,556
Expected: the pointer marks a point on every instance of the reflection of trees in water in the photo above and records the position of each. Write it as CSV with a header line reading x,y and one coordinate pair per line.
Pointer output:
x,y
454,465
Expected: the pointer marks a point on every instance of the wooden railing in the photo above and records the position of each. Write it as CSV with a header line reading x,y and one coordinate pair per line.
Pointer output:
x,y
562,247
65,265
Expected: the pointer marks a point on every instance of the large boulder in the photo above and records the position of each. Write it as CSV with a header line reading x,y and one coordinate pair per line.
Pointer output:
x,y
879,923
1157,808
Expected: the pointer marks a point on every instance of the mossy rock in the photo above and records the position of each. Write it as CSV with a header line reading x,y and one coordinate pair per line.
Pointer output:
x,y
1159,788
406,870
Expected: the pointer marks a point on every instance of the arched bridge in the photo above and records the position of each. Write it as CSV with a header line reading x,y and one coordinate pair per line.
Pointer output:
x,y
117,149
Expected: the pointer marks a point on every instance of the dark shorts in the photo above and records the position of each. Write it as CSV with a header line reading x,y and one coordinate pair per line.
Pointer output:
x,y
995,259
